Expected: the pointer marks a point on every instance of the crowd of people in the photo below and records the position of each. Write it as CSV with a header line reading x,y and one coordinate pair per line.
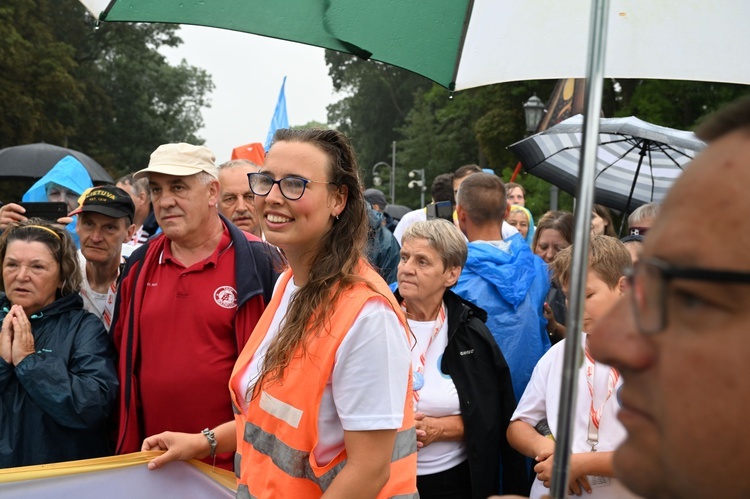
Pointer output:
x,y
275,320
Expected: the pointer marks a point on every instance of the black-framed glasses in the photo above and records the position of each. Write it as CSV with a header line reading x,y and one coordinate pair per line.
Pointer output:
x,y
291,187
649,279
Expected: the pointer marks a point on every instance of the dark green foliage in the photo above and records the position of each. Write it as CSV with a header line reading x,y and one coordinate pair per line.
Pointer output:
x,y
377,98
439,132
107,92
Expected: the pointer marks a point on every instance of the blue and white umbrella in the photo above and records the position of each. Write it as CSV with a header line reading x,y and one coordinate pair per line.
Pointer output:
x,y
637,162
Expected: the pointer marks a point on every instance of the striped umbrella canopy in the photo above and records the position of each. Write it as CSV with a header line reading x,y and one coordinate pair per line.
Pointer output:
x,y
637,162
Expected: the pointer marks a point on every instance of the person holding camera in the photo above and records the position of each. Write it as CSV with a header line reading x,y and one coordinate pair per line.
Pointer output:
x,y
63,184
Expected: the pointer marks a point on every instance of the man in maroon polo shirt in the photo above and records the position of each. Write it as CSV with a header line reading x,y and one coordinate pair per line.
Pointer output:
x,y
188,301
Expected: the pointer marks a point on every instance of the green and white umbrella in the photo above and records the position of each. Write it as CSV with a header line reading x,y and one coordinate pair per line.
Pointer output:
x,y
463,43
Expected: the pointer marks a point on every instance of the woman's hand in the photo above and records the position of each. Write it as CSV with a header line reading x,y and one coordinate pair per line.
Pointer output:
x,y
63,221
429,429
11,213
6,339
178,447
23,341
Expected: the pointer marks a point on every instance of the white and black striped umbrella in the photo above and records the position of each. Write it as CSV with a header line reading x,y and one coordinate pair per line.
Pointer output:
x,y
637,162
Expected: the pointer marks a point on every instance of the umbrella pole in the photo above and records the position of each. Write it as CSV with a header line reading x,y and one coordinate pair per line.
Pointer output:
x,y
632,187
585,196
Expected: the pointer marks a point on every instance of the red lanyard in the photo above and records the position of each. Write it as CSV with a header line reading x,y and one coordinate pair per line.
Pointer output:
x,y
596,414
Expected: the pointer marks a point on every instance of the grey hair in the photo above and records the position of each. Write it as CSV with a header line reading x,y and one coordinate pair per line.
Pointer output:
x,y
140,185
442,236
204,178
649,210
234,163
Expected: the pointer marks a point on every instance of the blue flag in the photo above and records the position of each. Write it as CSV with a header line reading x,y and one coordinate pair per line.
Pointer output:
x,y
280,119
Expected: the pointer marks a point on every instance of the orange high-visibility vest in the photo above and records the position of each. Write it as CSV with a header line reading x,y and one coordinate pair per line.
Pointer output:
x,y
277,434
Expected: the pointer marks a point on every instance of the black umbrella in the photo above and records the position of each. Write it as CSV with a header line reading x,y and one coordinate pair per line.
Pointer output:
x,y
34,160
397,211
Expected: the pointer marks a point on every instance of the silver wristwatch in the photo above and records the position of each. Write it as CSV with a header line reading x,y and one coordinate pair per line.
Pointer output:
x,y
209,434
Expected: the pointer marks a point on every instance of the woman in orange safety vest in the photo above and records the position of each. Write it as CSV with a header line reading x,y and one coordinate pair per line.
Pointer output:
x,y
322,390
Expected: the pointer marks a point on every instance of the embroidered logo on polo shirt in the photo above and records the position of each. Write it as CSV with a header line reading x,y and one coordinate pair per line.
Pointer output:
x,y
225,296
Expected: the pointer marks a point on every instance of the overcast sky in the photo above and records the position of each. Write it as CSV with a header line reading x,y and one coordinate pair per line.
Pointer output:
x,y
247,71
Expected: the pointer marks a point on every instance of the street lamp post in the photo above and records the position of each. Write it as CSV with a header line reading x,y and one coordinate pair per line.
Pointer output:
x,y
418,183
533,110
378,181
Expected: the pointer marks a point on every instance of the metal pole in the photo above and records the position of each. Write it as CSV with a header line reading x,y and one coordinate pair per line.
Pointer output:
x,y
393,174
579,265
422,188
554,192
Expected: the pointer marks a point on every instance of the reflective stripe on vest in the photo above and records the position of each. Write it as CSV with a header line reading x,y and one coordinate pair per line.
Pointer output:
x,y
244,493
296,463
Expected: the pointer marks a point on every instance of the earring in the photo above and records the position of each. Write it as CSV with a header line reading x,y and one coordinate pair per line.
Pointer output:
x,y
337,217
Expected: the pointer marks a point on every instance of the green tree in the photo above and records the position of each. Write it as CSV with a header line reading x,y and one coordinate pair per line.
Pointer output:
x,y
106,92
672,103
377,98
310,124
38,84
444,131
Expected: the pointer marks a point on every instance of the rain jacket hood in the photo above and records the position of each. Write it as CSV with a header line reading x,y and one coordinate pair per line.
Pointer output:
x,y
510,283
511,272
68,173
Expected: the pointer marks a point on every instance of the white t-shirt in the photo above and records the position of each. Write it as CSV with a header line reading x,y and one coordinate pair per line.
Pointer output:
x,y
420,215
541,400
438,397
369,381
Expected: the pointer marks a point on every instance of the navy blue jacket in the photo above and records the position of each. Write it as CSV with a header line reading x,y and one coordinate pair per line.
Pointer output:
x,y
55,404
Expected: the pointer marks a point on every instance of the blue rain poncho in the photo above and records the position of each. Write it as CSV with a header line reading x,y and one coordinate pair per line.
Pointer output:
x,y
511,285
68,173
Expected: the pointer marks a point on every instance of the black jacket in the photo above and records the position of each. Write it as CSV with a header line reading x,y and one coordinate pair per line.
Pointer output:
x,y
482,378
55,403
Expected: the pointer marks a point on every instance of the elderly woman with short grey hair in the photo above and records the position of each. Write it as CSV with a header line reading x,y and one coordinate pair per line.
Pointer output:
x,y
463,396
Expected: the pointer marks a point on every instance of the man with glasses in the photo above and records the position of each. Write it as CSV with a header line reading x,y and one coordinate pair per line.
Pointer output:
x,y
680,337
189,299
